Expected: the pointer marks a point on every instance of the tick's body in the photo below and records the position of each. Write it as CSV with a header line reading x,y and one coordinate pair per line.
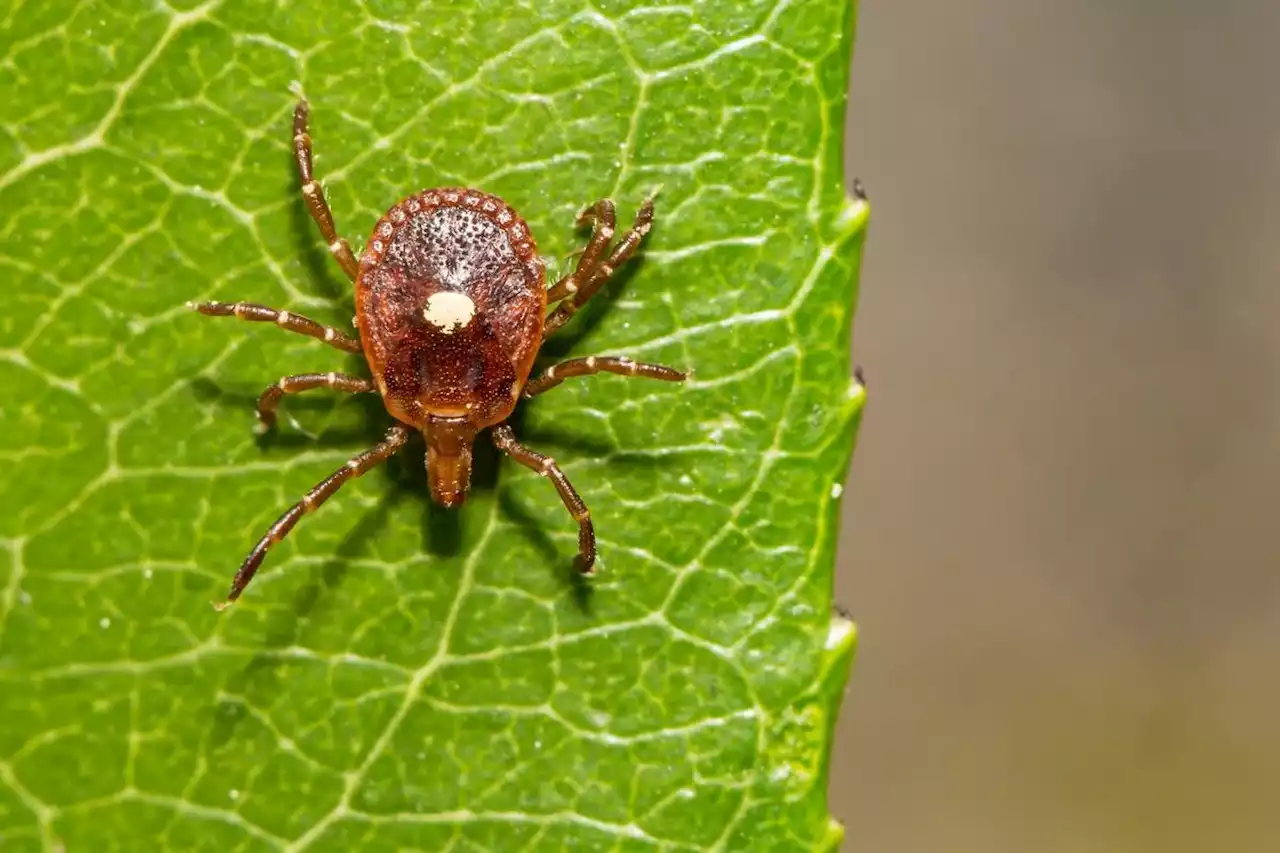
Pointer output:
x,y
451,307
450,301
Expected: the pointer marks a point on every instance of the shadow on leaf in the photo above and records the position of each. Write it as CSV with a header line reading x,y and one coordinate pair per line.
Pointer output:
x,y
315,409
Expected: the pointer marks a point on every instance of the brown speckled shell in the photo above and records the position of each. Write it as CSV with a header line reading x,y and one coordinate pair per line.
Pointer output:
x,y
466,241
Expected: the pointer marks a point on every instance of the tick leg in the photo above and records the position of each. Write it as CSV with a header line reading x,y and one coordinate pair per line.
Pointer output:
x,y
314,195
506,441
255,313
605,221
602,270
321,492
593,364
270,398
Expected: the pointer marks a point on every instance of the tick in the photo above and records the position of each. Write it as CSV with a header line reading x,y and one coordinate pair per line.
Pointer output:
x,y
451,309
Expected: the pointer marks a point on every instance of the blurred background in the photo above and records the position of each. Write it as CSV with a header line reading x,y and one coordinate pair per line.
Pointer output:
x,y
1061,535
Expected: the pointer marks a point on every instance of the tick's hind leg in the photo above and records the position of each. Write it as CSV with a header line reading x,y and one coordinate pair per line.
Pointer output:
x,y
314,195
270,399
605,218
321,492
286,320
592,364
594,278
506,441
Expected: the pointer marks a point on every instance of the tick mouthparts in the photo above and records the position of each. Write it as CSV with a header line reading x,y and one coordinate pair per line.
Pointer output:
x,y
449,460
450,478
449,500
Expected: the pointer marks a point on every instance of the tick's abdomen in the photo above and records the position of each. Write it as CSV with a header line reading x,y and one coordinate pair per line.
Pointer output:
x,y
450,304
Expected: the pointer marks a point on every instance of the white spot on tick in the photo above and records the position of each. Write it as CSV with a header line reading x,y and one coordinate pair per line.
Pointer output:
x,y
449,311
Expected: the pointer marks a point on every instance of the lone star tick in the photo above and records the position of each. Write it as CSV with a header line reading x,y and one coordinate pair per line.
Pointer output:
x,y
451,305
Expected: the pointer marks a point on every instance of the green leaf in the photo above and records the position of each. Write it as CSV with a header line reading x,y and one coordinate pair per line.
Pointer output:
x,y
399,676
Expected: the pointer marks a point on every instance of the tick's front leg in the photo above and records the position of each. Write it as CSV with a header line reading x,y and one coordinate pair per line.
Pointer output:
x,y
505,440
321,492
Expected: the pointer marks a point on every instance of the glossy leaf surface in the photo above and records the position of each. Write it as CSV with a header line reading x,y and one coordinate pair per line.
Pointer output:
x,y
401,676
